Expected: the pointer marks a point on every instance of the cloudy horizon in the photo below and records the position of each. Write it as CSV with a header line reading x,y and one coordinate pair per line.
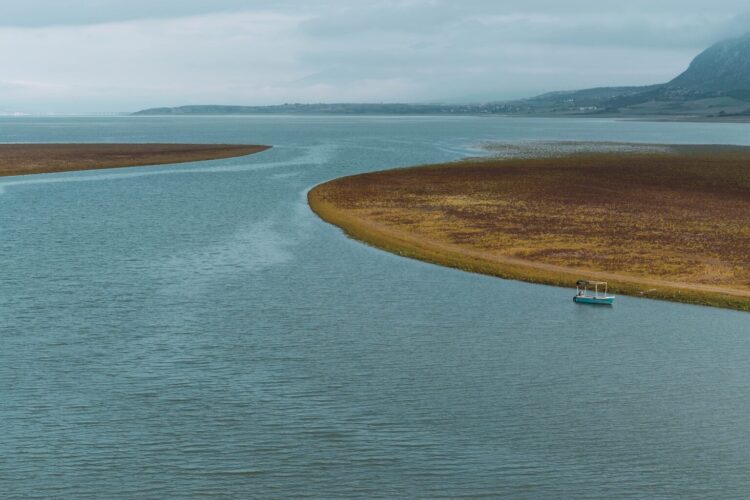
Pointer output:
x,y
116,55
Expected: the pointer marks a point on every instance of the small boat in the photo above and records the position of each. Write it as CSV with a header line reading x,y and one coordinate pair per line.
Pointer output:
x,y
585,294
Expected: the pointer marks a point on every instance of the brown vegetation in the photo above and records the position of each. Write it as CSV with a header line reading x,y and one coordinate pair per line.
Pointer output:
x,y
22,159
672,225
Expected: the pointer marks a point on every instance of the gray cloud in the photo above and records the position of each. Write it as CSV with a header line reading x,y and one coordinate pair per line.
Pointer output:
x,y
34,13
128,54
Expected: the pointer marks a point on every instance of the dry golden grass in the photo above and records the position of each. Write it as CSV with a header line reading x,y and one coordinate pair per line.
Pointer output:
x,y
672,225
22,159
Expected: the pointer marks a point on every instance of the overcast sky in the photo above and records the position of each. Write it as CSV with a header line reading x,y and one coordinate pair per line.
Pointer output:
x,y
121,55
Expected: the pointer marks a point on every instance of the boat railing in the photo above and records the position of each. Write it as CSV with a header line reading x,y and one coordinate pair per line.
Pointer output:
x,y
582,288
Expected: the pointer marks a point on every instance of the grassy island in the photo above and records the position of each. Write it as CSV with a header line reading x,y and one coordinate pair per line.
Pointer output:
x,y
22,159
671,224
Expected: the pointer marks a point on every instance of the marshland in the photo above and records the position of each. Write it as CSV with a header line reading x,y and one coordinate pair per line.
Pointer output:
x,y
29,158
665,221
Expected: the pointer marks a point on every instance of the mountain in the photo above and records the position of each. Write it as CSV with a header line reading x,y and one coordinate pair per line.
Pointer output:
x,y
724,67
715,85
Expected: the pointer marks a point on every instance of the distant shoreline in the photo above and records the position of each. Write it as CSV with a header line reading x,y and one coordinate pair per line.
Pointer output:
x,y
30,158
667,224
279,111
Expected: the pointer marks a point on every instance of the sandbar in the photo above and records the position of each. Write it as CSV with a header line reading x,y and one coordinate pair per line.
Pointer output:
x,y
667,222
30,158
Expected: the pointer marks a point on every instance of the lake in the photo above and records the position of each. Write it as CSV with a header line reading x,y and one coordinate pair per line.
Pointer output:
x,y
195,330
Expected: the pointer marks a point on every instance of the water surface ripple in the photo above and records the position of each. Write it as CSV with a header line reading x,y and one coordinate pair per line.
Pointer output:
x,y
194,330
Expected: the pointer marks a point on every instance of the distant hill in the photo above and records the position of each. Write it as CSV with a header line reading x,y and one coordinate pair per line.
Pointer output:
x,y
715,85
320,109
724,67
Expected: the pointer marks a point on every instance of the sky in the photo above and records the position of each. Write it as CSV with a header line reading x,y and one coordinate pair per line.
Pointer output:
x,y
70,56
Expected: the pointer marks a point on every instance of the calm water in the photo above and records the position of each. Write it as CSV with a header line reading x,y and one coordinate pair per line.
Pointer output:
x,y
194,330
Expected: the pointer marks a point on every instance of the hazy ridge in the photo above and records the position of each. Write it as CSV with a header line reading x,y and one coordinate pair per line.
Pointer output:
x,y
716,85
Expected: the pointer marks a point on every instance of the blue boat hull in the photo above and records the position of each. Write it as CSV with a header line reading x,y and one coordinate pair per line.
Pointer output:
x,y
604,301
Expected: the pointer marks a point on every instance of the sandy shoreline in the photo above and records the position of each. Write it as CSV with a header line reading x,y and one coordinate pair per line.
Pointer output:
x,y
29,158
669,224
